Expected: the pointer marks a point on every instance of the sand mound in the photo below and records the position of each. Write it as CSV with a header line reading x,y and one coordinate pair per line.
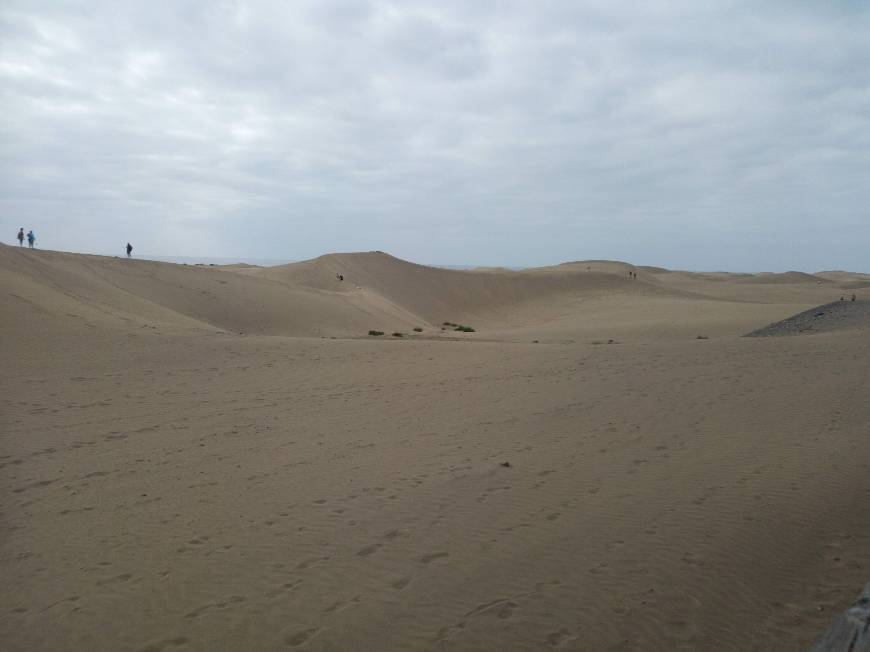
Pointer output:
x,y
846,280
838,315
350,294
335,294
783,278
437,294
99,290
616,267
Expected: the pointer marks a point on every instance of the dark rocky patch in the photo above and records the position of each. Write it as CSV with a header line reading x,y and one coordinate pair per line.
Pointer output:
x,y
838,315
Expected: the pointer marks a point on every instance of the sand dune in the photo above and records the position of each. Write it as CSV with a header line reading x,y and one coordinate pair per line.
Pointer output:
x,y
784,278
170,484
834,316
120,292
437,294
379,291
847,280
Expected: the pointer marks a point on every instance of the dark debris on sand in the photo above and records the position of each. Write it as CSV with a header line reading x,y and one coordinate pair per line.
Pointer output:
x,y
838,315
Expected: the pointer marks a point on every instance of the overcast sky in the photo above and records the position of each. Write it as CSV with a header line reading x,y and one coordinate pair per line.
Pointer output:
x,y
702,135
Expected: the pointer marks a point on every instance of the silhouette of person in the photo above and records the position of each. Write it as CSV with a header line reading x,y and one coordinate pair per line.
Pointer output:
x,y
31,238
21,237
129,249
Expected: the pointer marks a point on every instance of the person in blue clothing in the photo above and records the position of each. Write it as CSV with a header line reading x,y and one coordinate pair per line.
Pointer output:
x,y
31,238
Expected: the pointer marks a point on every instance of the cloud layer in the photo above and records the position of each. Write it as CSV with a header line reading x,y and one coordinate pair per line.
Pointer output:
x,y
727,135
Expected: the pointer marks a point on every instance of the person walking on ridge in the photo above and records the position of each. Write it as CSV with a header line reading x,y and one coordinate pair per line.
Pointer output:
x,y
129,249
31,238
20,237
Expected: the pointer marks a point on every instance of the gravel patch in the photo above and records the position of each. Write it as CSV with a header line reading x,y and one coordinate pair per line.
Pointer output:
x,y
839,315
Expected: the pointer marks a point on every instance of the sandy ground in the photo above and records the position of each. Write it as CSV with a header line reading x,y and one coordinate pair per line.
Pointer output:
x,y
171,484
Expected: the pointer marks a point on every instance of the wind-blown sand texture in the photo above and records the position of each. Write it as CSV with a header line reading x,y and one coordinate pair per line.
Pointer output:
x,y
190,462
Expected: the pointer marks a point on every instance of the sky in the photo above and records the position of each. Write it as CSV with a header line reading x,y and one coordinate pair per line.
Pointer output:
x,y
718,135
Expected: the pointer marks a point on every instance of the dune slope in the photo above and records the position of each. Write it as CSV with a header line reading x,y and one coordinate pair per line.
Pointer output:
x,y
117,291
437,294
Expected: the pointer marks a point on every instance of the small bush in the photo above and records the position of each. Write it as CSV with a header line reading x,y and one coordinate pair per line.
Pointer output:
x,y
398,335
464,329
702,337
376,333
418,330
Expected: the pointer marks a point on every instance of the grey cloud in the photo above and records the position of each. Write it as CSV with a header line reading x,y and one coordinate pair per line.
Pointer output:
x,y
729,134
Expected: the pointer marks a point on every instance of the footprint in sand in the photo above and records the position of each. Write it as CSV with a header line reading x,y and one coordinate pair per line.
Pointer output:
x,y
196,613
115,580
166,643
446,632
343,605
428,559
502,607
368,550
401,583
297,639
310,562
557,639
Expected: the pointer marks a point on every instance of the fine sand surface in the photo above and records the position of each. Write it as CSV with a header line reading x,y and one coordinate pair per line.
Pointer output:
x,y
197,458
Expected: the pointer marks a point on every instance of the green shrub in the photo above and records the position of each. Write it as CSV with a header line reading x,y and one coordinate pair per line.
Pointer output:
x,y
398,335
376,333
418,330
464,329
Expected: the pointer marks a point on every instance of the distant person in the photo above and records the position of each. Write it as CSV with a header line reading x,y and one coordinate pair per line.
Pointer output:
x,y
31,238
853,296
20,237
129,249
